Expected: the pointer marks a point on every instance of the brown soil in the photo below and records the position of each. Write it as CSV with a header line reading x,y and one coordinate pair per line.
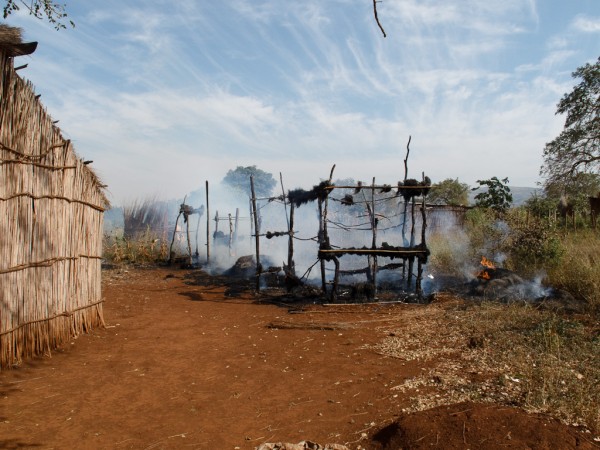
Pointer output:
x,y
191,361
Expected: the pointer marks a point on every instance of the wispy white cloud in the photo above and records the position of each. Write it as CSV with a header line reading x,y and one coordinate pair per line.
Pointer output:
x,y
188,93
586,24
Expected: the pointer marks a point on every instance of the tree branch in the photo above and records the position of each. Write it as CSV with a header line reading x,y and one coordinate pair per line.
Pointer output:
x,y
377,18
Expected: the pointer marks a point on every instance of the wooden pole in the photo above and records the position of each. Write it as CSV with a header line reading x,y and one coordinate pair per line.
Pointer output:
x,y
284,201
419,289
230,231
423,218
411,260
256,237
291,265
197,231
251,217
325,207
173,240
237,221
336,279
321,241
216,219
189,244
404,241
374,241
207,227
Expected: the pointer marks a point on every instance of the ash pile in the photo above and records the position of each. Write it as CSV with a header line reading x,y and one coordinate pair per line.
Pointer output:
x,y
245,268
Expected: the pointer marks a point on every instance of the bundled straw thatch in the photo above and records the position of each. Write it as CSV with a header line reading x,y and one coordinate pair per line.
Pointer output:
x,y
51,207
10,35
11,43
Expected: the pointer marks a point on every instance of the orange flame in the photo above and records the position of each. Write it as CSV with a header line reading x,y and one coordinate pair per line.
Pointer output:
x,y
487,263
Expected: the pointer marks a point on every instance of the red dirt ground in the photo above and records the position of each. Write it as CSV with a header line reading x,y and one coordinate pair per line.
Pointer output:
x,y
191,361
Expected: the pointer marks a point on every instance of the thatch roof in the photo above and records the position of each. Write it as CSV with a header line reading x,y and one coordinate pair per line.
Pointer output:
x,y
11,42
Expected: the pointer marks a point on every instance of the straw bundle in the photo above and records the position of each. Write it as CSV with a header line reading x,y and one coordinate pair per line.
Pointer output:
x,y
10,35
51,213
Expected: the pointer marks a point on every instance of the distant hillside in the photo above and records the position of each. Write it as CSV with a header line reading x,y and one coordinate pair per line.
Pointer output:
x,y
520,194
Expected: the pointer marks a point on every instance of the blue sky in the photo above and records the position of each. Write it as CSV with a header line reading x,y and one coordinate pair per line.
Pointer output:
x,y
164,95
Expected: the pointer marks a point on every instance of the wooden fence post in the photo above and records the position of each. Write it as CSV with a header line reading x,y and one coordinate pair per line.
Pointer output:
x,y
207,227
256,235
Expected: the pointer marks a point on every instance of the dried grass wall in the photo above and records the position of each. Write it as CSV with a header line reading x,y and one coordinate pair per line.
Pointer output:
x,y
51,212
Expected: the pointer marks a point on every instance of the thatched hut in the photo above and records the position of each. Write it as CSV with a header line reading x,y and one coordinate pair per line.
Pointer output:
x,y
51,212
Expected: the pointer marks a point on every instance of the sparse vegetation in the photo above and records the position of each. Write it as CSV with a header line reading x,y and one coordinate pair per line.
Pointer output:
x,y
521,355
145,248
579,268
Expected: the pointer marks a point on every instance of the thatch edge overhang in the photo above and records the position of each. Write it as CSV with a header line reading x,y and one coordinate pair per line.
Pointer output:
x,y
11,43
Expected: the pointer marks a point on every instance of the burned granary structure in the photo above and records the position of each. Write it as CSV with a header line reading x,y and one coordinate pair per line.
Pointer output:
x,y
369,236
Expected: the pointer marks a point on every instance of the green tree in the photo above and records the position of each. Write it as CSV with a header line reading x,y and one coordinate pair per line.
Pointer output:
x,y
239,179
497,196
575,189
541,205
449,192
577,148
55,13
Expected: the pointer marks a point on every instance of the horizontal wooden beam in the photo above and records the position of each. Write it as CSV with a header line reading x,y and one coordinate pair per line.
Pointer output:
x,y
393,253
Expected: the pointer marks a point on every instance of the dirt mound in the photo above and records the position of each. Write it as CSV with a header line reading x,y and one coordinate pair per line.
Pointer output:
x,y
478,426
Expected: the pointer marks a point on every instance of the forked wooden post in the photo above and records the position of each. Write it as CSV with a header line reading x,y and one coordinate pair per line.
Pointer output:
x,y
256,233
291,264
374,241
321,240
237,220
173,240
207,227
189,244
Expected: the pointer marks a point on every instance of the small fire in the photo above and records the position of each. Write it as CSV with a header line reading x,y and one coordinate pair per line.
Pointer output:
x,y
487,263
484,274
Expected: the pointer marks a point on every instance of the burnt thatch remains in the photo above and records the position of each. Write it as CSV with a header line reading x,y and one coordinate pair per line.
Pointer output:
x,y
300,197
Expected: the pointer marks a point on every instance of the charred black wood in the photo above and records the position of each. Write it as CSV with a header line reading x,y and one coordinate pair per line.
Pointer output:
x,y
365,270
348,200
301,197
412,188
358,187
291,281
363,290
272,234
389,252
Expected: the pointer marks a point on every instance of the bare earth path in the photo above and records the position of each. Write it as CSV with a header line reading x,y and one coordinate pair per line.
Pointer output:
x,y
185,363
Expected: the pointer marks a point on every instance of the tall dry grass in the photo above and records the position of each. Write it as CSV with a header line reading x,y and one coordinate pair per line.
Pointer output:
x,y
578,270
145,248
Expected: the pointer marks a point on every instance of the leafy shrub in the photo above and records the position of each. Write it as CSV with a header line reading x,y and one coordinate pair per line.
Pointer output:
x,y
534,246
497,196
